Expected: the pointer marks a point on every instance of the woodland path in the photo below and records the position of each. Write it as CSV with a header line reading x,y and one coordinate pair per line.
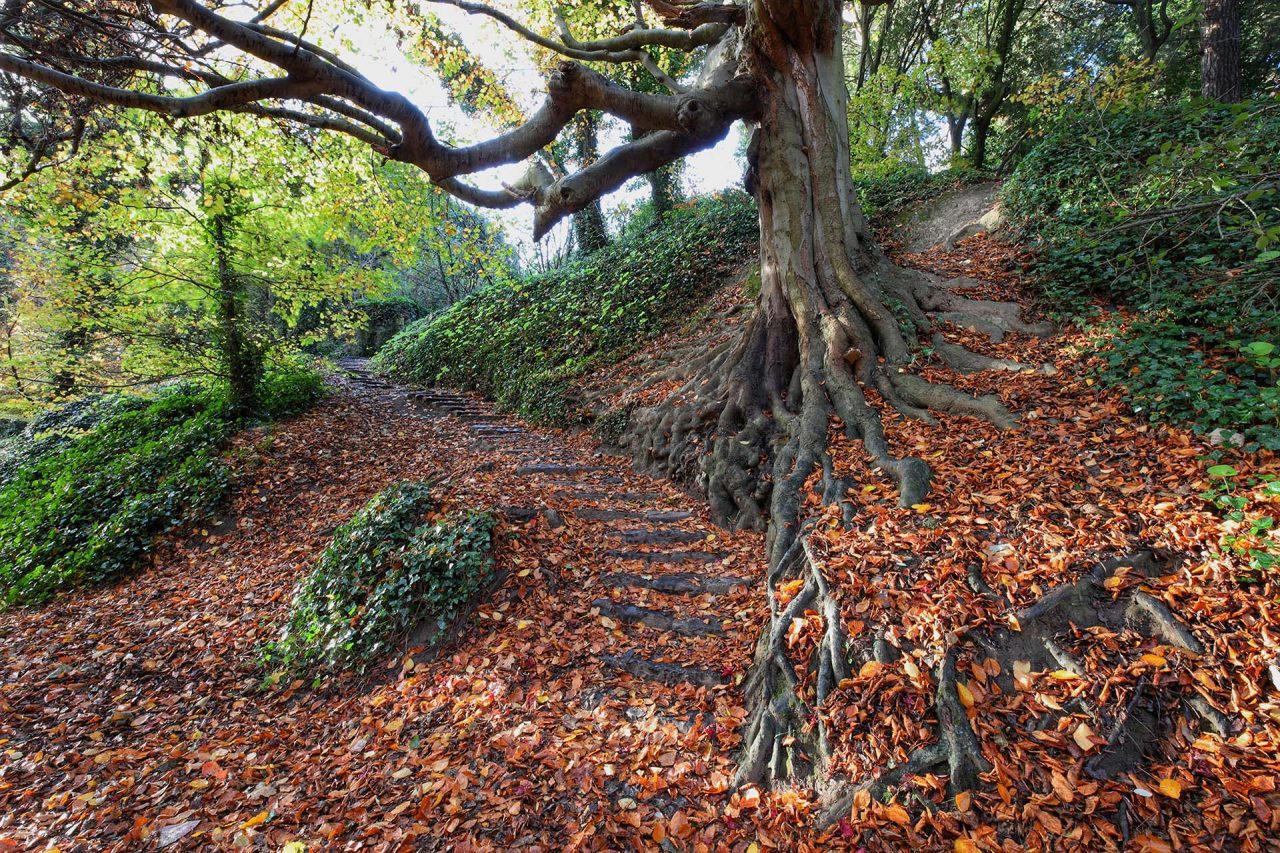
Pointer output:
x,y
664,558
591,701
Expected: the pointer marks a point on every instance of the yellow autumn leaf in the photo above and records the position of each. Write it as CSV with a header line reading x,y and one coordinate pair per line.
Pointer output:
x,y
966,696
1153,659
260,817
1063,675
922,507
909,666
294,847
1171,788
964,845
753,848
897,814
870,668
1083,736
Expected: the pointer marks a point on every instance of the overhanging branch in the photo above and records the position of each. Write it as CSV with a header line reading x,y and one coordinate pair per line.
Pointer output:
x,y
189,40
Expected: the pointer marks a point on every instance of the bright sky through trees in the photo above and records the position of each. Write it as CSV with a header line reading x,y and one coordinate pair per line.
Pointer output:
x,y
377,55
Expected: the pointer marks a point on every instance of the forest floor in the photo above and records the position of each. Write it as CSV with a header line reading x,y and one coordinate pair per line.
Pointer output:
x,y
593,701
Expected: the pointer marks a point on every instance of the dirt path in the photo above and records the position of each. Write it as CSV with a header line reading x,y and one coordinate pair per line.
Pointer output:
x,y
592,701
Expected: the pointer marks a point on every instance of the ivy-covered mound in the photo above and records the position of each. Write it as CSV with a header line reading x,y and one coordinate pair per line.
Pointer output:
x,y
524,342
85,488
397,564
1173,213
885,192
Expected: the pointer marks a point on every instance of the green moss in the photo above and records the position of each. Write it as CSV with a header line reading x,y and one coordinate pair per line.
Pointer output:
x,y
1165,211
525,343
609,426
393,566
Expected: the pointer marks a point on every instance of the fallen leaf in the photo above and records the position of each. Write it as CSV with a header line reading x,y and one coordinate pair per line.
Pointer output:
x,y
1084,737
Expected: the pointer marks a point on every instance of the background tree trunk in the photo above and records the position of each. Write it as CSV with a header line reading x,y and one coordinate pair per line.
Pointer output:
x,y
1220,77
588,223
241,361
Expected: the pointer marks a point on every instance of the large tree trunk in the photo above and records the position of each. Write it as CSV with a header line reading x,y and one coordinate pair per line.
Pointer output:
x,y
749,424
1220,60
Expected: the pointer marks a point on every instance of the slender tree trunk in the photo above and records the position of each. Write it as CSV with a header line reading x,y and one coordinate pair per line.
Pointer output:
x,y
978,149
955,133
241,363
1146,31
588,223
1220,76
663,193
664,189
74,346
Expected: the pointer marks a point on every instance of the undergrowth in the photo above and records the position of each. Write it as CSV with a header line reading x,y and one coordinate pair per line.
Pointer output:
x,y
86,487
397,563
524,343
888,191
1250,506
1172,214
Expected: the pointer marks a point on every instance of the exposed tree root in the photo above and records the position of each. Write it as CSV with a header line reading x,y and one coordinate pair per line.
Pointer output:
x,y
763,400
1135,730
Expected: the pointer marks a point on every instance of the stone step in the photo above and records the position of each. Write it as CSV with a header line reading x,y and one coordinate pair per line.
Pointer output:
x,y
689,626
664,673
498,429
677,583
667,556
658,515
658,537
545,468
593,495
522,514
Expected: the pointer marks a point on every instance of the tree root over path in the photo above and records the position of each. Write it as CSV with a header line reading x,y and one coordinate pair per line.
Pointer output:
x,y
789,738
718,432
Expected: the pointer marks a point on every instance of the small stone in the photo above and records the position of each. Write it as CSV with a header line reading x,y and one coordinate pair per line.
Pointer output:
x,y
174,833
1221,436
1000,549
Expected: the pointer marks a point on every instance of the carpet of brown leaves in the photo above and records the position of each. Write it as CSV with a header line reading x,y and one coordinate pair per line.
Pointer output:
x,y
135,715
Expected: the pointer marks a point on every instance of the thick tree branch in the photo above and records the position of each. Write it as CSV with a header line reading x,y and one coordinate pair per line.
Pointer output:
x,y
134,47
220,98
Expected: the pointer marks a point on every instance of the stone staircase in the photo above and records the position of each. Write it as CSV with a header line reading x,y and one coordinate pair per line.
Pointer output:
x,y
664,587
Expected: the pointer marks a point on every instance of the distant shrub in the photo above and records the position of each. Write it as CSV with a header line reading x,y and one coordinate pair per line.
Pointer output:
x,y
88,486
84,510
1174,213
289,388
396,564
524,343
884,192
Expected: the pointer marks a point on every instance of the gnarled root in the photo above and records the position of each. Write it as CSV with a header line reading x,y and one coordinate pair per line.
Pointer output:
x,y
767,397
1133,731
784,738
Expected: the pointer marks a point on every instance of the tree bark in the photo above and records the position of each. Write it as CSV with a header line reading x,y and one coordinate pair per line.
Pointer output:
x,y
241,361
1220,76
588,223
